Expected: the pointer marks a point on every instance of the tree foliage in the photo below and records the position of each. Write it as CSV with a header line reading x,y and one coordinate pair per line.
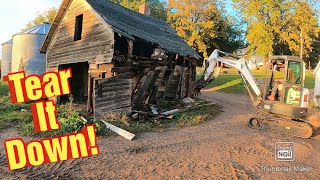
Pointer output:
x,y
275,26
303,21
46,16
157,7
229,36
202,24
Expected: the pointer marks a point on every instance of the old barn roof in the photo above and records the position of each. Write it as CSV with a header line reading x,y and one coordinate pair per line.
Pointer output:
x,y
133,25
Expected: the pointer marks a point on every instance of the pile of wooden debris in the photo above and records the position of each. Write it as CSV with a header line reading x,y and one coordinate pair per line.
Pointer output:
x,y
136,84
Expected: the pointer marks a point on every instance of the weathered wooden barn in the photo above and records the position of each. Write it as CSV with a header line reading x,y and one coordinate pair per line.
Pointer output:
x,y
120,59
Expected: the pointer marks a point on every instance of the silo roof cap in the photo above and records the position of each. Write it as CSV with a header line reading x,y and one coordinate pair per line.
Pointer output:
x,y
39,29
8,42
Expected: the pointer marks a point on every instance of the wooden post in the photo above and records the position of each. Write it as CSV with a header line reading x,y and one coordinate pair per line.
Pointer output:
x,y
94,96
56,99
182,81
90,95
189,80
130,49
177,57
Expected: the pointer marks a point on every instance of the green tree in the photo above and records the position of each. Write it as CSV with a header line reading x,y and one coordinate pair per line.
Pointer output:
x,y
203,25
274,26
157,7
46,16
314,56
303,21
229,36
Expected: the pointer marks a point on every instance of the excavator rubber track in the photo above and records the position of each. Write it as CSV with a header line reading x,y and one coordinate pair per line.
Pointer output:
x,y
290,127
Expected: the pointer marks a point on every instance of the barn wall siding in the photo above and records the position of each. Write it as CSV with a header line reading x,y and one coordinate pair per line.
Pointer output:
x,y
112,95
95,46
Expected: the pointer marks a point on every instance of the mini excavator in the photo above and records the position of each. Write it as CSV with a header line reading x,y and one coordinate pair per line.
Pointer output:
x,y
283,100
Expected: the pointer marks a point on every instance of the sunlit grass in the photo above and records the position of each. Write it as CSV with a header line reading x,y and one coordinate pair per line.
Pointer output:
x,y
236,84
230,81
309,81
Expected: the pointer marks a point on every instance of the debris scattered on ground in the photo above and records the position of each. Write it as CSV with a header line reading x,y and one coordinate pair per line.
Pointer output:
x,y
83,119
135,115
24,110
169,109
121,132
188,101
171,112
154,110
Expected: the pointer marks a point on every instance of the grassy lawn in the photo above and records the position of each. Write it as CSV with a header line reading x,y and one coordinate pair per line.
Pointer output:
x,y
10,114
230,81
309,81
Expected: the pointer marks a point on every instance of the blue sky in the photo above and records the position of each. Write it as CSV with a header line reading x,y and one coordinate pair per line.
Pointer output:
x,y
15,14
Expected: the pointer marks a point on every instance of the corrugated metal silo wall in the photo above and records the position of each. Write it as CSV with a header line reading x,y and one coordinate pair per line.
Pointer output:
x,y
6,59
26,55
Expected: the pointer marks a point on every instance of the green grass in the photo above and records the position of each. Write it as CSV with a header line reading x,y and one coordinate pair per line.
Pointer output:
x,y
70,121
231,82
194,116
309,81
10,114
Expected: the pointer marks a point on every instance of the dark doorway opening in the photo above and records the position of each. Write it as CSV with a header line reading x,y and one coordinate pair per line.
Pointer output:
x,y
78,82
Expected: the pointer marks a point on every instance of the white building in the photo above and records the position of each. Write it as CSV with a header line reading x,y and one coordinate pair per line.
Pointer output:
x,y
317,84
254,61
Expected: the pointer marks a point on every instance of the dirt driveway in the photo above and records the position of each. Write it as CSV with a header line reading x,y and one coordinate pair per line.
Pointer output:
x,y
223,148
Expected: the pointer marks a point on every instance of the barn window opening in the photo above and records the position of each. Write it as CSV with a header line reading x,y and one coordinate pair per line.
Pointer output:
x,y
78,27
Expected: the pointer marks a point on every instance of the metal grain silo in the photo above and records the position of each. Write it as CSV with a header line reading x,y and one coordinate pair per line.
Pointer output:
x,y
6,58
25,50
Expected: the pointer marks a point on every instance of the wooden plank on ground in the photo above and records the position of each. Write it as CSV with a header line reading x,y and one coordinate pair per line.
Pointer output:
x,y
121,132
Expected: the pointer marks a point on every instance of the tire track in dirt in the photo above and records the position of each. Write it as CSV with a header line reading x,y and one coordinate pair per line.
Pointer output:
x,y
240,166
45,171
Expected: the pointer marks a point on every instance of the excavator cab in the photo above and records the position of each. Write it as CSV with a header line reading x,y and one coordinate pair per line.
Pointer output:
x,y
284,93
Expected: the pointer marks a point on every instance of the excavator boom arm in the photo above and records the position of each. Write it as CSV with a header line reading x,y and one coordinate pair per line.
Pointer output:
x,y
243,69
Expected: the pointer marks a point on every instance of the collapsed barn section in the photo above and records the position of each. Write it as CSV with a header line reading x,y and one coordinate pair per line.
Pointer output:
x,y
121,60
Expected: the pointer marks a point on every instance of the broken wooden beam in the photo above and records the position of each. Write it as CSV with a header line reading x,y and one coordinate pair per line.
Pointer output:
x,y
121,132
124,69
121,59
171,112
130,49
